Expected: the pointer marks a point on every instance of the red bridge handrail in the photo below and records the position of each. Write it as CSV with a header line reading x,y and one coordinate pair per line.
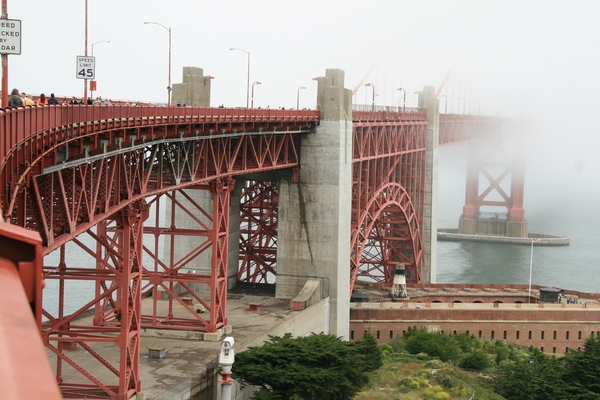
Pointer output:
x,y
18,124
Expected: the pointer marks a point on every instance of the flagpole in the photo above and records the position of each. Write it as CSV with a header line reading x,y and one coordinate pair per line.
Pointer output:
x,y
530,269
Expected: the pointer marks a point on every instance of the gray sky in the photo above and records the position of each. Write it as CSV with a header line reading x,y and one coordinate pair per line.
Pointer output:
x,y
540,59
509,50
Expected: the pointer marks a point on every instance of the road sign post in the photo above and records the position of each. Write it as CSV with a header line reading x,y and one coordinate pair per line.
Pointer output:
x,y
86,67
10,43
10,36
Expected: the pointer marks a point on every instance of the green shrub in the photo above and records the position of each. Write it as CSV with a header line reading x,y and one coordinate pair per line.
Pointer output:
x,y
437,388
405,382
397,344
386,347
445,380
435,344
475,360
435,364
423,373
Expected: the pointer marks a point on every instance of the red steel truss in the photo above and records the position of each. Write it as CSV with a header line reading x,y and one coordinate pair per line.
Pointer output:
x,y
69,170
456,128
494,166
388,195
258,232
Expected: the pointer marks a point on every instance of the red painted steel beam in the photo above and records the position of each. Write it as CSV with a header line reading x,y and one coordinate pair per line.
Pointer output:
x,y
21,346
258,233
456,128
388,196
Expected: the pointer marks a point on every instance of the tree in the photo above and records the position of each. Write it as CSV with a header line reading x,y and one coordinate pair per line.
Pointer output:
x,y
310,367
372,354
583,370
536,377
475,360
434,344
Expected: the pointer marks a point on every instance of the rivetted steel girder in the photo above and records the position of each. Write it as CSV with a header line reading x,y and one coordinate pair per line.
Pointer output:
x,y
387,234
66,202
455,128
388,199
35,140
258,232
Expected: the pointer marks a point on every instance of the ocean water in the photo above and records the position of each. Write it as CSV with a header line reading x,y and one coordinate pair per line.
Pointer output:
x,y
557,201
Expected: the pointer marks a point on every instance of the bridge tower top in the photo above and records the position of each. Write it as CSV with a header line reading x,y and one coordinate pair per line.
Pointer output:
x,y
194,90
333,100
430,103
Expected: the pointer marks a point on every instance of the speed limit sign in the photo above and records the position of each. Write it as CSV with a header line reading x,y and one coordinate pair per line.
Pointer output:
x,y
86,67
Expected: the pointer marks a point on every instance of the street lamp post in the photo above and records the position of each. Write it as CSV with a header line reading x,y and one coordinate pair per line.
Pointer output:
x,y
298,97
101,41
169,83
463,100
254,84
445,103
93,83
248,80
373,101
531,266
404,101
85,83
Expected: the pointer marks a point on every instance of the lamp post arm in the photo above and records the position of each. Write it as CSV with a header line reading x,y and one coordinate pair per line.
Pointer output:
x,y
169,79
248,78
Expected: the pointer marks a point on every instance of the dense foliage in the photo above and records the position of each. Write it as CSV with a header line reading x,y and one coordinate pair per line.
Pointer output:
x,y
575,376
310,367
464,350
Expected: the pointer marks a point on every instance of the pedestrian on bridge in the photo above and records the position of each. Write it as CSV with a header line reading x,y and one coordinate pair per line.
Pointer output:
x,y
29,101
15,99
52,100
42,101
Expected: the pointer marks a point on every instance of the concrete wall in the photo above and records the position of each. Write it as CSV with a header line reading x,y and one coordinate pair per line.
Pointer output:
x,y
313,319
314,213
551,328
428,101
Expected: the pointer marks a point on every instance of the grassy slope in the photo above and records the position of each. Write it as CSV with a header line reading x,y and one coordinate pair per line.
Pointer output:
x,y
406,377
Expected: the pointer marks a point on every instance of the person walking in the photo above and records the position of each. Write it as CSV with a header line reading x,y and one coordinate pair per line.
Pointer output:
x,y
42,100
15,99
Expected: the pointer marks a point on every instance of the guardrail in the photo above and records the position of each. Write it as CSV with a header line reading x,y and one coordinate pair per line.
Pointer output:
x,y
20,123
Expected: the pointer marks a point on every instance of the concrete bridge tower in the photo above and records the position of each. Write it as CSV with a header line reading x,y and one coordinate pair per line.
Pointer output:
x,y
314,213
430,103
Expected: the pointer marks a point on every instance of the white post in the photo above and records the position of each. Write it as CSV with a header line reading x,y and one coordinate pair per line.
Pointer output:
x,y
530,269
226,359
226,382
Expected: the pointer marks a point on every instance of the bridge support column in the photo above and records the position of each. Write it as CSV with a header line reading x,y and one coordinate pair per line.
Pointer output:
x,y
495,162
314,213
428,101
197,252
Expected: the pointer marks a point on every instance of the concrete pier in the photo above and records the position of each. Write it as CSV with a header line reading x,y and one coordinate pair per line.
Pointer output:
x,y
428,101
314,213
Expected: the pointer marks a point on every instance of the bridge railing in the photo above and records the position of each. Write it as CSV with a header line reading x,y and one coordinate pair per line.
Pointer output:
x,y
20,123
368,113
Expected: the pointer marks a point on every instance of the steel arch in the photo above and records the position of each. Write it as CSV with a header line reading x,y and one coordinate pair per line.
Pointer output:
x,y
387,234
